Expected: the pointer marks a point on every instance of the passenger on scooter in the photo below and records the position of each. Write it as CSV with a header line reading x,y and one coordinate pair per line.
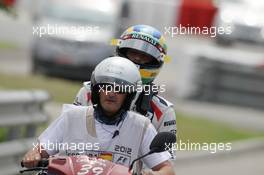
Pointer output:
x,y
146,47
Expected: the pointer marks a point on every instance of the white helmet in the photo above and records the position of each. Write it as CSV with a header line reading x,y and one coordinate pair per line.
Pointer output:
x,y
117,71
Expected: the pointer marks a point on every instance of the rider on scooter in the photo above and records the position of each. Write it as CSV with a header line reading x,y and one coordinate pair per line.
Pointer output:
x,y
108,125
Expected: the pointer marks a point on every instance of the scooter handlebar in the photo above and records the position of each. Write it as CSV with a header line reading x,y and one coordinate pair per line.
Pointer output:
x,y
41,163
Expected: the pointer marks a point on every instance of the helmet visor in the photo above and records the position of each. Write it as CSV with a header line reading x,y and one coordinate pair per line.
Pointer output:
x,y
142,46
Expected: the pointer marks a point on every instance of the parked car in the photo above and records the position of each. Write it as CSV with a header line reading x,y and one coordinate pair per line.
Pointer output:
x,y
77,37
245,18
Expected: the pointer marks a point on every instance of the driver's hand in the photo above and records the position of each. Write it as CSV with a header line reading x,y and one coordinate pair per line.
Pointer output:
x,y
150,172
31,158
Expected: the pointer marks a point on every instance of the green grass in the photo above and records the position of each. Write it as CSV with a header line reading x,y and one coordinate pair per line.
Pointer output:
x,y
7,45
3,134
199,130
62,91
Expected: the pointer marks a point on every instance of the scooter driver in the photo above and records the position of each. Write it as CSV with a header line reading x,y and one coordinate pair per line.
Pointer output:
x,y
107,127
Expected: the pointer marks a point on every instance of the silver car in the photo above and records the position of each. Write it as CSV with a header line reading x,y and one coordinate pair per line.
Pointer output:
x,y
245,19
72,37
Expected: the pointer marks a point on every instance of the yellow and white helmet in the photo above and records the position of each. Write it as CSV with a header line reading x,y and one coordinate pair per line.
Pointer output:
x,y
148,41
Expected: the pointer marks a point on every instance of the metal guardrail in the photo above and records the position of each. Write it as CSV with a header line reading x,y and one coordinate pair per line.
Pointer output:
x,y
231,83
21,112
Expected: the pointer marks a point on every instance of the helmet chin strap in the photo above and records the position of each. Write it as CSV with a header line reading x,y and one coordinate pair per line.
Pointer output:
x,y
101,117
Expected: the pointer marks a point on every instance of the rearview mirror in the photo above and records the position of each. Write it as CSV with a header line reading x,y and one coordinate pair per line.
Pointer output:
x,y
161,141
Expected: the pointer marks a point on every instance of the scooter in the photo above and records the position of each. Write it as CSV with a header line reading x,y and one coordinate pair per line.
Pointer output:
x,y
85,165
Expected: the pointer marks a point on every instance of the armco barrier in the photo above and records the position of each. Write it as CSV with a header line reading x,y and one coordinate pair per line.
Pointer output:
x,y
230,83
21,112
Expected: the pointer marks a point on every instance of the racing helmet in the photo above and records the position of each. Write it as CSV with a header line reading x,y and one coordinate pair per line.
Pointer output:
x,y
121,73
147,40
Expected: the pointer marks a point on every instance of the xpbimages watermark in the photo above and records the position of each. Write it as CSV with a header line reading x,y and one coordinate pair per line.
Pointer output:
x,y
56,29
126,88
191,30
191,146
51,146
